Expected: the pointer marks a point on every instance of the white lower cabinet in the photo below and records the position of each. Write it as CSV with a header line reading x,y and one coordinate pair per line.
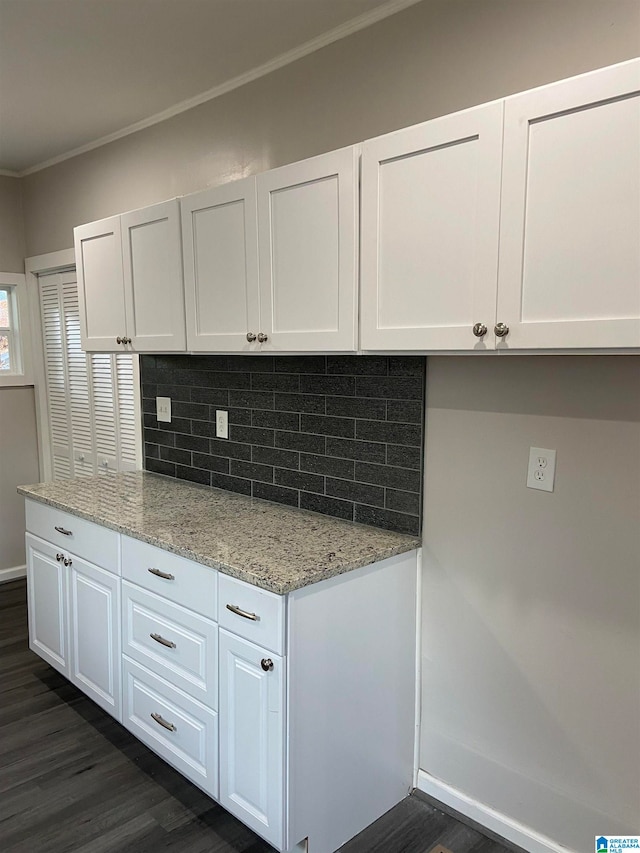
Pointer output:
x,y
296,712
47,604
252,685
94,633
74,620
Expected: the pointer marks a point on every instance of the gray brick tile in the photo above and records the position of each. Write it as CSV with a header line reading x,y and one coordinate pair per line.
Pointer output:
x,y
279,494
328,506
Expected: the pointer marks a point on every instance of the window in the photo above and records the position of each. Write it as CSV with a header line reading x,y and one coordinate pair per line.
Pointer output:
x,y
13,319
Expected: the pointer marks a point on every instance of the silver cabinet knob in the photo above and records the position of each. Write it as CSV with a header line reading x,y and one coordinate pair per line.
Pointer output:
x,y
119,340
266,664
501,329
479,330
251,337
67,561
127,340
59,557
262,337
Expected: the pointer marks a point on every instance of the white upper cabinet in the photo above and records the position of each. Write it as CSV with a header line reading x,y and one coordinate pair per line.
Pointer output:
x,y
570,235
130,281
270,263
220,243
430,224
100,284
152,261
307,237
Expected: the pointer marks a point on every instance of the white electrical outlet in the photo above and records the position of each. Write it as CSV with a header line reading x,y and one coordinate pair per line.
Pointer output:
x,y
222,424
163,409
542,469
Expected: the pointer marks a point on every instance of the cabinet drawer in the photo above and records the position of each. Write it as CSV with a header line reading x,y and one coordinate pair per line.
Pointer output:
x,y
263,622
181,581
179,729
97,544
172,642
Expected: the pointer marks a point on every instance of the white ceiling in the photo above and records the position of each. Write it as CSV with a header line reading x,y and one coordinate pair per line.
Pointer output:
x,y
74,73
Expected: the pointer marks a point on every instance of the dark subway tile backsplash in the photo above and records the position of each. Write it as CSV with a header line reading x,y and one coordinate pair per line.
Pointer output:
x,y
339,435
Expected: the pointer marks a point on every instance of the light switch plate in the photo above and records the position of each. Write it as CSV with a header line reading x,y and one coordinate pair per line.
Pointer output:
x,y
542,469
163,409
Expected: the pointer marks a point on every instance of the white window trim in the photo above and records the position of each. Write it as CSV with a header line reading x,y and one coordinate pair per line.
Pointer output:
x,y
21,332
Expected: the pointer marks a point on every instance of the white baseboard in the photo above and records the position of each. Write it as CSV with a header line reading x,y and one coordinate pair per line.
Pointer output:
x,y
512,830
13,573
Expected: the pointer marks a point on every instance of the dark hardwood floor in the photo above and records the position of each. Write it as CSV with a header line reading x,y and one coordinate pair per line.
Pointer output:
x,y
72,780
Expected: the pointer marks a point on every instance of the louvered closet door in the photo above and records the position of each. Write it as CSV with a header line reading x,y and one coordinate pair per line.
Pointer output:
x,y
92,399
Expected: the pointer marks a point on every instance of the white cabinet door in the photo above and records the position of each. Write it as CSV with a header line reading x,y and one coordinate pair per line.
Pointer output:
x,y
430,224
152,258
307,230
570,234
94,629
252,736
98,249
220,242
47,603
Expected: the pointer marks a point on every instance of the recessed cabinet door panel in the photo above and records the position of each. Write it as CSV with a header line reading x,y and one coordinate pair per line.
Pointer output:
x,y
94,598
430,223
100,284
252,736
307,225
221,267
152,258
47,604
570,243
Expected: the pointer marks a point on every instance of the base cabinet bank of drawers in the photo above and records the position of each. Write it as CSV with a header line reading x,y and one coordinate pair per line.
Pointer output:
x,y
295,712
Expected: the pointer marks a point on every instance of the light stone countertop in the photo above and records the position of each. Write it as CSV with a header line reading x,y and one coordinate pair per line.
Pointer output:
x,y
271,546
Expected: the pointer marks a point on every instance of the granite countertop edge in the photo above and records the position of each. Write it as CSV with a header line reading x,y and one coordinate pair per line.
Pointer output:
x,y
402,543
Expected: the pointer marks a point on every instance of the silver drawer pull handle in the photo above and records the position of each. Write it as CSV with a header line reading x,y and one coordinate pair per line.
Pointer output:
x,y
64,531
160,574
162,722
239,612
160,639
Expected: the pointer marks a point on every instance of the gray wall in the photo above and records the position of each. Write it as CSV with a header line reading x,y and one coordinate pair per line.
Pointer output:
x,y
18,465
531,600
12,245
19,452
433,58
531,643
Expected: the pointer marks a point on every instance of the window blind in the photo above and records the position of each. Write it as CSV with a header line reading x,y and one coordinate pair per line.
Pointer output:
x,y
93,408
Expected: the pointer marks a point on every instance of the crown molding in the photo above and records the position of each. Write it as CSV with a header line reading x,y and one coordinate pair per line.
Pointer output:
x,y
340,32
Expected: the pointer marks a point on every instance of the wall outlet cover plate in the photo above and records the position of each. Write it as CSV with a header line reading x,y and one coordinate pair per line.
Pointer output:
x,y
542,469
